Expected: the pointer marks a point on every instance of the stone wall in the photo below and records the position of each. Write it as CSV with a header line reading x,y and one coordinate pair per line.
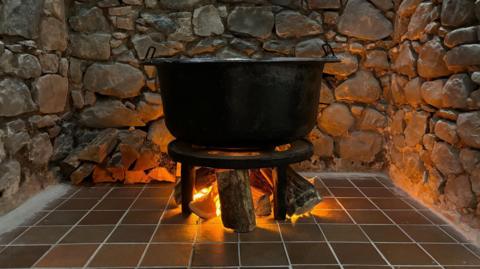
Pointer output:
x,y
404,98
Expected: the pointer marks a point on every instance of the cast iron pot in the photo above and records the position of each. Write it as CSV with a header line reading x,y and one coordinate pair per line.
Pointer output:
x,y
240,103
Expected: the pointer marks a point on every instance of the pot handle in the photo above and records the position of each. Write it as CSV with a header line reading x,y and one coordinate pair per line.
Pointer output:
x,y
328,50
150,53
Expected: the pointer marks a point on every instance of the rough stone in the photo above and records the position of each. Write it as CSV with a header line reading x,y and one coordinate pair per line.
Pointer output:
x,y
456,91
252,21
458,12
461,36
62,146
149,112
397,86
279,46
310,48
322,143
207,21
431,92
476,77
470,159
10,178
43,121
447,131
477,9
371,120
463,55
362,20
161,22
384,5
416,127
15,98
348,65
16,141
100,147
408,7
400,28
377,60
326,94
360,146
49,63
91,46
292,24
245,46
53,34
336,120
406,61
446,159
81,173
162,49
40,149
468,125
181,4
398,123
183,32
458,192
430,62
425,13
159,135
119,80
324,4
110,114
362,87
207,45
412,91
51,93
20,18
27,66
89,21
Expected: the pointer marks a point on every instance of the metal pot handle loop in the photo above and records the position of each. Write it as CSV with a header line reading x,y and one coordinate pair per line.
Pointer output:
x,y
150,53
328,50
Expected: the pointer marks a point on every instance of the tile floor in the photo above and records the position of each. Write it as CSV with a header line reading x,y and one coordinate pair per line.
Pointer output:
x,y
362,223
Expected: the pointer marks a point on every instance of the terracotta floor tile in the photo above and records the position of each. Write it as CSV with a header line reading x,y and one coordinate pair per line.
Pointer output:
x,y
35,218
102,218
331,216
114,204
263,232
175,233
407,217
53,204
323,192
150,204
454,233
427,234
356,203
118,256
334,182
377,192
124,193
301,232
303,219
346,192
261,254
366,182
405,254
215,255
167,255
9,236
328,203
391,203
67,256
348,253
62,218
142,217
451,254
315,267
78,204
215,233
42,235
175,216
91,193
369,217
132,234
385,233
310,253
346,232
365,267
433,217
88,234
21,256
161,192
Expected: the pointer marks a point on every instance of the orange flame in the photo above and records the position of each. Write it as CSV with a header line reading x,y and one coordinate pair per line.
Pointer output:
x,y
207,191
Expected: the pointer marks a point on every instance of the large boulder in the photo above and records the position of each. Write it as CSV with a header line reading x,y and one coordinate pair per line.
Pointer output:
x,y
183,30
119,80
90,46
446,159
27,66
251,21
468,125
412,90
463,56
361,146
458,12
110,114
362,20
431,62
425,13
408,7
15,98
470,159
456,91
467,35
447,131
336,119
89,21
406,61
20,18
431,92
363,87
53,34
292,24
207,21
458,192
51,92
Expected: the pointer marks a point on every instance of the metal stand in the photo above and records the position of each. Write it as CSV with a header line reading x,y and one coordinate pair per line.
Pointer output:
x,y
191,156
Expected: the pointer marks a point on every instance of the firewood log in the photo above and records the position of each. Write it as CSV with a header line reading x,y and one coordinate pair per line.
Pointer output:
x,y
205,206
236,202
102,175
259,181
301,195
261,202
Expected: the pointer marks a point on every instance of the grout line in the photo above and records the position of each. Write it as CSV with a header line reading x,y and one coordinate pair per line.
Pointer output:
x,y
399,227
115,226
239,253
284,245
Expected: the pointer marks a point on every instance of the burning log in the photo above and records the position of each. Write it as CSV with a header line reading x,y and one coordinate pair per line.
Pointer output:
x,y
102,175
301,195
236,200
204,178
161,174
204,204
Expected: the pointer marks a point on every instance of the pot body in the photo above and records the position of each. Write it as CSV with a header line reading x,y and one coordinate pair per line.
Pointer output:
x,y
240,104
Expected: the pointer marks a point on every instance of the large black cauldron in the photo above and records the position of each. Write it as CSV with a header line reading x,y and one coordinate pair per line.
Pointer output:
x,y
240,103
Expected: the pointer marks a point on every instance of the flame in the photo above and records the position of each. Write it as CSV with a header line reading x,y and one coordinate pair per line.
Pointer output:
x,y
202,193
207,191
217,205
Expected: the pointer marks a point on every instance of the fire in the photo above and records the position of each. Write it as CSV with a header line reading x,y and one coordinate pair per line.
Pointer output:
x,y
202,193
206,202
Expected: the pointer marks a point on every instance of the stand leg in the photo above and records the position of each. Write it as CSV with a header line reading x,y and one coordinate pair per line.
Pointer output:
x,y
279,196
188,183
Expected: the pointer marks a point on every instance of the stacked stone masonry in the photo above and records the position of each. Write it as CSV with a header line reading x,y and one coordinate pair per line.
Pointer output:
x,y
405,97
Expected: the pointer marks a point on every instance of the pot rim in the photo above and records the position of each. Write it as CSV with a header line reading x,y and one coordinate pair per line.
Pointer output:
x,y
325,59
